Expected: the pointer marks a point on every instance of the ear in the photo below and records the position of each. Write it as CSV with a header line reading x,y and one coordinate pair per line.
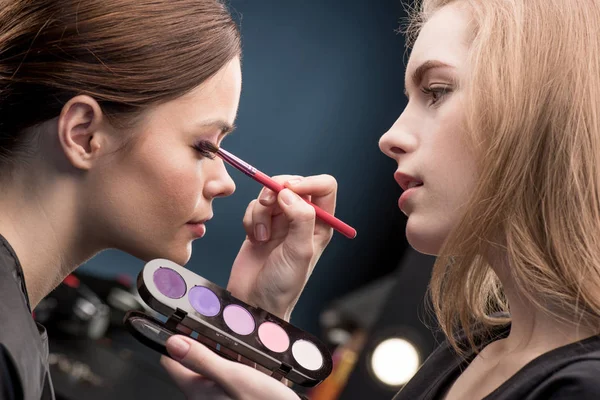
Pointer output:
x,y
80,131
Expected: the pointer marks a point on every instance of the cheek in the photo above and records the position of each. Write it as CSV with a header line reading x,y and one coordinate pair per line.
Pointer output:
x,y
175,186
457,179
453,158
450,180
167,186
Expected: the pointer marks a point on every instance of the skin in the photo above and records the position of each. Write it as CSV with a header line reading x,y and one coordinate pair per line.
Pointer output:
x,y
427,139
82,189
80,193
427,142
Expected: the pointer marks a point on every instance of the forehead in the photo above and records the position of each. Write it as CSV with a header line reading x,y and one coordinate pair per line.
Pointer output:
x,y
216,99
218,95
444,37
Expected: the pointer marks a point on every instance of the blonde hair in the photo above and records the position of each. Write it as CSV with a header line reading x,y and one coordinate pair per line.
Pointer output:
x,y
533,116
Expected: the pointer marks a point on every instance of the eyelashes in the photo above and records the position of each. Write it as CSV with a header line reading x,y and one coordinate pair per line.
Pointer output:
x,y
436,92
206,149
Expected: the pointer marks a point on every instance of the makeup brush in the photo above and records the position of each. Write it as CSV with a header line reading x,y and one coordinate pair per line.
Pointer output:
x,y
207,148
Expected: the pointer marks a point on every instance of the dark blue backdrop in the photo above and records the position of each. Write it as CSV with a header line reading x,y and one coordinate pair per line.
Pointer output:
x,y
322,81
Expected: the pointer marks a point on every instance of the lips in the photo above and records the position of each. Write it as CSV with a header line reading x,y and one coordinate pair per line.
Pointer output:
x,y
198,221
197,226
199,229
407,181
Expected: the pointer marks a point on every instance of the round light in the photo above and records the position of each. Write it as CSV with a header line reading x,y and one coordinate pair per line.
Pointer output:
x,y
395,361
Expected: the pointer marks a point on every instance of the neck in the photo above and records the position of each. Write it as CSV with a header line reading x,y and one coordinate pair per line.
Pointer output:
x,y
534,329
39,218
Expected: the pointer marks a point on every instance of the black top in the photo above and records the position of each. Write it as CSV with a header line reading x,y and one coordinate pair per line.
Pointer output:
x,y
24,371
568,372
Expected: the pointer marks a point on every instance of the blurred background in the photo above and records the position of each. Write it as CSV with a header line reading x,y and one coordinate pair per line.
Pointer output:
x,y
322,81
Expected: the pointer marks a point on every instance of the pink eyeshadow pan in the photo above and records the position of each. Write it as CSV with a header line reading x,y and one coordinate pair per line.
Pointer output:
x,y
274,337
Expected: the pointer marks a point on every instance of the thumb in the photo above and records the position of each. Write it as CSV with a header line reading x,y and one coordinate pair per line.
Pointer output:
x,y
237,380
192,385
198,358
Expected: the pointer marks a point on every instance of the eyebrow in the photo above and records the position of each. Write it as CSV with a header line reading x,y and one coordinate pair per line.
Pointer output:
x,y
421,70
222,125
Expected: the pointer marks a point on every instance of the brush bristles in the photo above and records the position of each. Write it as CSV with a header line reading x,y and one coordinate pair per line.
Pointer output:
x,y
209,146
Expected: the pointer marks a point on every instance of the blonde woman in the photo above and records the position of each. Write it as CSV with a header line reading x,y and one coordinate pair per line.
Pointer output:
x,y
498,151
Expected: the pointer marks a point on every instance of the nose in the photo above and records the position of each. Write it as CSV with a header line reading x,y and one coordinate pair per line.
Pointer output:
x,y
218,182
400,139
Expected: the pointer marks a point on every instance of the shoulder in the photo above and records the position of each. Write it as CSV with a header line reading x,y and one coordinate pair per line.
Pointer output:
x,y
430,381
578,380
10,384
23,352
444,364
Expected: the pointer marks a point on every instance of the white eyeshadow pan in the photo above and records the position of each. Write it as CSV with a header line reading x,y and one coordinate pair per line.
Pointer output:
x,y
307,355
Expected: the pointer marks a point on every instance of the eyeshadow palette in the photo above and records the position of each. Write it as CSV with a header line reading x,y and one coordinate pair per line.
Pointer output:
x,y
227,325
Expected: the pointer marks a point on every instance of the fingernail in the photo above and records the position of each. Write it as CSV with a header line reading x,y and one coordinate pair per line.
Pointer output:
x,y
288,196
177,347
267,196
260,231
294,181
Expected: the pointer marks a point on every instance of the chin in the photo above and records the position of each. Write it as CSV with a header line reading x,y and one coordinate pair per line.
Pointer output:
x,y
180,258
179,254
176,252
425,239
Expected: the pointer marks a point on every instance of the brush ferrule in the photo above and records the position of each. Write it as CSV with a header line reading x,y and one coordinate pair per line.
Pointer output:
x,y
236,162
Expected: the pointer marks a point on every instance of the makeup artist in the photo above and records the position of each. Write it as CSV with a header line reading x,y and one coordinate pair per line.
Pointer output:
x,y
101,105
498,153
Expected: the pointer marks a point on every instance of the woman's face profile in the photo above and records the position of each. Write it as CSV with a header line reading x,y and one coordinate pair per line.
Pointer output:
x,y
427,141
148,195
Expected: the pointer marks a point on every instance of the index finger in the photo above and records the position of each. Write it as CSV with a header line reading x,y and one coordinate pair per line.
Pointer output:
x,y
267,197
321,188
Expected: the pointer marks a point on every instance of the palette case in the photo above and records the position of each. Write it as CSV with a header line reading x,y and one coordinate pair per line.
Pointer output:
x,y
225,324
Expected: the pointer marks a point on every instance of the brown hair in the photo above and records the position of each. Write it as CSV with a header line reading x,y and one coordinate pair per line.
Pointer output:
x,y
534,119
126,54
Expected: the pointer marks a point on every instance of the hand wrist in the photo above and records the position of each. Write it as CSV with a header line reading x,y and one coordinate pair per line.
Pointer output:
x,y
285,313
270,305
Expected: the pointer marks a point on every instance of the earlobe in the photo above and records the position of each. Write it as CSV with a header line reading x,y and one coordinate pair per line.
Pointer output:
x,y
79,132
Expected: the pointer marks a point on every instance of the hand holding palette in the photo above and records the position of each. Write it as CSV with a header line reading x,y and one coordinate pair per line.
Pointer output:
x,y
228,326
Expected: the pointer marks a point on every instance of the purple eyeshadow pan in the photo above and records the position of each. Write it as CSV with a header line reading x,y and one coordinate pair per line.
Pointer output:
x,y
238,319
204,300
169,283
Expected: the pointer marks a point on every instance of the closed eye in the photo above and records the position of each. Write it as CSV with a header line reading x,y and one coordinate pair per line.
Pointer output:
x,y
205,148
